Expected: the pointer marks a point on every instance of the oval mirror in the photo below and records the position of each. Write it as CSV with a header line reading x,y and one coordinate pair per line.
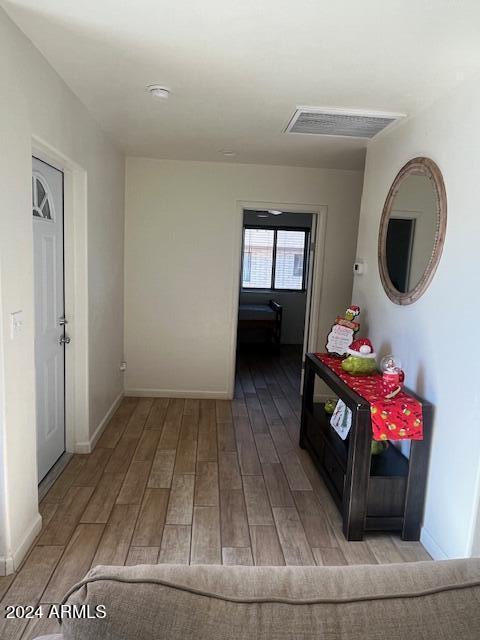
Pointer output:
x,y
412,230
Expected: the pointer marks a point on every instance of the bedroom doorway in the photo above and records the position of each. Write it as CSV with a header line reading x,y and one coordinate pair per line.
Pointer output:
x,y
275,322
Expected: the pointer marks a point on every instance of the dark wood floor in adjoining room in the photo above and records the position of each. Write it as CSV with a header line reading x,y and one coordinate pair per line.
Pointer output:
x,y
193,481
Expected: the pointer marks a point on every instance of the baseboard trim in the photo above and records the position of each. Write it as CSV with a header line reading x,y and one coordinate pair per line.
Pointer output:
x,y
87,447
49,480
10,564
431,546
178,393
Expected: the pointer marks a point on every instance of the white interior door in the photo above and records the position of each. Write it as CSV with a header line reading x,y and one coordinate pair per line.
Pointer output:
x,y
47,197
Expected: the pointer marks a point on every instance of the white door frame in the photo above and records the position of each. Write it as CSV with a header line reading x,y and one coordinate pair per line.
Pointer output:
x,y
321,212
76,295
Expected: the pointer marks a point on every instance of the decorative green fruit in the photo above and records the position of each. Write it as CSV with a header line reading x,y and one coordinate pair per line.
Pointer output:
x,y
330,405
378,447
358,366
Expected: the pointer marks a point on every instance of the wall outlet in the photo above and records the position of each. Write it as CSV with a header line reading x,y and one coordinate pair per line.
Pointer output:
x,y
17,319
123,366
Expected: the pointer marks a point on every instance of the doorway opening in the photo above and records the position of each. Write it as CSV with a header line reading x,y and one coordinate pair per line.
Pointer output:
x,y
50,321
275,298
77,438
400,238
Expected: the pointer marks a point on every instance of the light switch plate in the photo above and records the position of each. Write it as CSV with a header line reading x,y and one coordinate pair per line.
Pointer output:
x,y
359,268
17,319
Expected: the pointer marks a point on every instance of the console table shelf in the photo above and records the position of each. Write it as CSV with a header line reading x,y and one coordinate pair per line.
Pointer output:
x,y
374,493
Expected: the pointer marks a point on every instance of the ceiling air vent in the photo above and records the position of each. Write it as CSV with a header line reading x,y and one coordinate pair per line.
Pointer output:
x,y
340,122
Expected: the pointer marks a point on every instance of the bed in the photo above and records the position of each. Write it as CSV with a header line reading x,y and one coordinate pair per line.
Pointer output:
x,y
262,317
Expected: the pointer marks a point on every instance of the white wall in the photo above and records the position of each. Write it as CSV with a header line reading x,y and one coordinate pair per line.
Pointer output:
x,y
3,505
436,337
35,102
182,253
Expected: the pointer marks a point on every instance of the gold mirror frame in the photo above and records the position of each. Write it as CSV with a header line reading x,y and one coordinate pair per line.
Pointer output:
x,y
424,167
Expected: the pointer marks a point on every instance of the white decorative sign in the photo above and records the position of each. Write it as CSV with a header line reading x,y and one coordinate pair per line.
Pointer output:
x,y
343,331
339,339
341,419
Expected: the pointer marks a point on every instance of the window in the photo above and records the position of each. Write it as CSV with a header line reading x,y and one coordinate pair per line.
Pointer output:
x,y
40,199
297,265
258,258
274,258
247,267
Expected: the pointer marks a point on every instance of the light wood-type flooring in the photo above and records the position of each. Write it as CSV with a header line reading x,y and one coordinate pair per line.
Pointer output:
x,y
193,481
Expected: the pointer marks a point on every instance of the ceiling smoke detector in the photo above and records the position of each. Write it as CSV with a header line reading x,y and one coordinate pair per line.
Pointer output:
x,y
351,123
157,91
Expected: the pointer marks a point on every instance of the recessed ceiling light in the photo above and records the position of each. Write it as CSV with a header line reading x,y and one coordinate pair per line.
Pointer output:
x,y
275,212
157,91
227,153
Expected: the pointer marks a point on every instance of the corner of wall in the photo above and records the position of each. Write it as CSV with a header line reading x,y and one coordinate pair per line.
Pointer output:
x,y
9,564
431,546
89,445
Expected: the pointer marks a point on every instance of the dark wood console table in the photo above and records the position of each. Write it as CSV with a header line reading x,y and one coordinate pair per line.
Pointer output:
x,y
373,493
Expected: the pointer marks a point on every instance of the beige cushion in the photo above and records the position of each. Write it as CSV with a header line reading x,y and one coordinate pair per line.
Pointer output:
x,y
425,600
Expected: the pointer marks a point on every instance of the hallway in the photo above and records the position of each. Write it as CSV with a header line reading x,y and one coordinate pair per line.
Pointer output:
x,y
193,481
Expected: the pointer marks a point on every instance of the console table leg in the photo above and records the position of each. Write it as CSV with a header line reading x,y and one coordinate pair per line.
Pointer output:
x,y
307,399
417,480
357,477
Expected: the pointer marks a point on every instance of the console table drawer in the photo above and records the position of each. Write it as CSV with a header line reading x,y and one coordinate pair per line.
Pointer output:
x,y
313,431
334,470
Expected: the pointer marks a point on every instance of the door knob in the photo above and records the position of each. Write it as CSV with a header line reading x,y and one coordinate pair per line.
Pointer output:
x,y
64,340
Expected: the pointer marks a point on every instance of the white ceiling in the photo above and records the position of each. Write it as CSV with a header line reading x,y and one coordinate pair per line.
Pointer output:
x,y
238,68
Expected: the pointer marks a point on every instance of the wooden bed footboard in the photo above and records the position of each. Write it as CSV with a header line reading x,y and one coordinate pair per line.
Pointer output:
x,y
266,317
